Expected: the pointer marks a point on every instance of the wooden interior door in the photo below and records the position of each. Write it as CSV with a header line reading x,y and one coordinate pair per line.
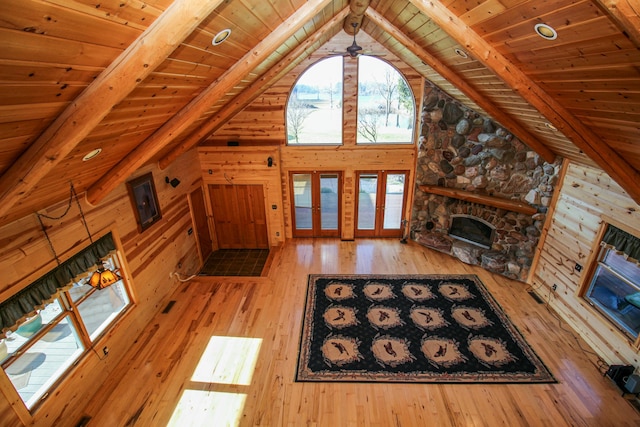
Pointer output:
x,y
381,203
239,216
201,223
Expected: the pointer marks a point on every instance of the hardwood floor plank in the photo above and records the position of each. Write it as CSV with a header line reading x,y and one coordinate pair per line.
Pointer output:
x,y
218,324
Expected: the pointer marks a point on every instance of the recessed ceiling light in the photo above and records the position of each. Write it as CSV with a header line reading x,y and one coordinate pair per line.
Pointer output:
x,y
91,154
550,126
461,52
221,36
546,32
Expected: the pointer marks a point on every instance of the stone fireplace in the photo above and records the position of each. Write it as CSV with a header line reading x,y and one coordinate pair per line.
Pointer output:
x,y
481,194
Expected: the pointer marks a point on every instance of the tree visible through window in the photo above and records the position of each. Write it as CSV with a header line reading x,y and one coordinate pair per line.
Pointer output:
x,y
386,108
314,110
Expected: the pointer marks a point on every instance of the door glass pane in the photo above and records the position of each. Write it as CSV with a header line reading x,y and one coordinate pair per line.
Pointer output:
x,y
367,189
302,201
329,202
394,193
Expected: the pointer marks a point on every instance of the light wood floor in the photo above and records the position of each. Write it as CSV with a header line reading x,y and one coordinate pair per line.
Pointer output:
x,y
226,354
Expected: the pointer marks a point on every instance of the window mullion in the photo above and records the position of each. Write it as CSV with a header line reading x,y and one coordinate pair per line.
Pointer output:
x,y
74,315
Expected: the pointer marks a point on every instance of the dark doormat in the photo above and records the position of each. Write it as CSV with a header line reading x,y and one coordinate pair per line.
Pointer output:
x,y
410,328
235,262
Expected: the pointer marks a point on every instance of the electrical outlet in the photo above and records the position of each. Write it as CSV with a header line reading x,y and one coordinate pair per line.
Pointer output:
x,y
105,350
578,268
554,287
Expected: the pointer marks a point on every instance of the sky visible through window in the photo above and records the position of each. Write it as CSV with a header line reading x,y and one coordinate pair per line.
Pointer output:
x,y
386,109
314,111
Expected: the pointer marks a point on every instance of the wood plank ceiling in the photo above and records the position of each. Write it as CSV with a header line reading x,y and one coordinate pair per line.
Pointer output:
x,y
141,79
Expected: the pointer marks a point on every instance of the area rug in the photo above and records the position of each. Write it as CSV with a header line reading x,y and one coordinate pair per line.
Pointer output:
x,y
410,328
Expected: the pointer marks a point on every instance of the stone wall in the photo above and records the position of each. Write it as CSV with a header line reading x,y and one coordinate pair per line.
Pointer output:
x,y
461,149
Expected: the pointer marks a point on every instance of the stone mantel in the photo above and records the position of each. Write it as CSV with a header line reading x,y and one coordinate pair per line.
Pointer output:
x,y
496,202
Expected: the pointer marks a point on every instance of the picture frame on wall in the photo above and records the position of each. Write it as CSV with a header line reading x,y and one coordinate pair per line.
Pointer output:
x,y
142,192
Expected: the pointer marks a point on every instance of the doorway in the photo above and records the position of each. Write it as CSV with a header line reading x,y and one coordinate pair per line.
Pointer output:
x,y
381,203
201,223
316,200
239,216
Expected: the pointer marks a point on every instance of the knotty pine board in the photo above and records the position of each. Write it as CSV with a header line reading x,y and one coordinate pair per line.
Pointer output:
x,y
587,196
149,258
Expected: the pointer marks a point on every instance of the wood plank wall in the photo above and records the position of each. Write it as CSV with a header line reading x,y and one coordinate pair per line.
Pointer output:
x,y
263,123
587,196
247,165
150,256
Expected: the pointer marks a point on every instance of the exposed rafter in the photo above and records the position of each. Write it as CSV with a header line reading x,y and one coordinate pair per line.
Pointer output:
x,y
627,14
356,15
134,64
447,73
583,137
199,105
252,92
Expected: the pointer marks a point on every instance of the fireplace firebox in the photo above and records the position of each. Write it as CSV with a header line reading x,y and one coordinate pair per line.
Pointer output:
x,y
472,230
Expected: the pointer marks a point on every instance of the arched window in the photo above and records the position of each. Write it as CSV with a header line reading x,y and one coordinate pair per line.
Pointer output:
x,y
314,109
386,107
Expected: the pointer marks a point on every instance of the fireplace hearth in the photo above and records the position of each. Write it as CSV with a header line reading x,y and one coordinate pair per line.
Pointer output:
x,y
472,230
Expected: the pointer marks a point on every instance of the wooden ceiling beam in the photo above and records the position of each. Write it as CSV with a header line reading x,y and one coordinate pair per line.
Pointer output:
x,y
200,104
254,90
357,8
582,136
626,15
112,85
448,74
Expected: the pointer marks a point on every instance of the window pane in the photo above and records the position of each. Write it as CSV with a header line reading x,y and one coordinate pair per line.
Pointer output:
x,y
616,298
367,191
101,308
23,334
34,371
386,110
623,267
314,109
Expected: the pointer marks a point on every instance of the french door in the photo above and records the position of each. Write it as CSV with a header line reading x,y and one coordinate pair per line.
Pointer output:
x,y
381,203
316,200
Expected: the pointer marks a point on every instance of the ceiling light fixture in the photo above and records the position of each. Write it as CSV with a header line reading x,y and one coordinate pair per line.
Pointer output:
x,y
221,37
91,154
461,53
550,126
546,32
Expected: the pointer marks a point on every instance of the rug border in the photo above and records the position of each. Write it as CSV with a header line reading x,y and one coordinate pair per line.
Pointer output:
x,y
513,328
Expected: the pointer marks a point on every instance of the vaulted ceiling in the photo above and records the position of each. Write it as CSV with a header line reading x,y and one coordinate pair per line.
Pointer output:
x,y
142,80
